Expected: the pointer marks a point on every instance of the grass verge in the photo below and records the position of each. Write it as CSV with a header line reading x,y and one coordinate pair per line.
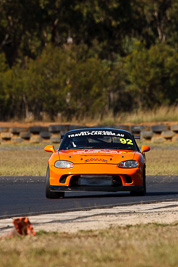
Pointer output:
x,y
23,162
20,160
140,245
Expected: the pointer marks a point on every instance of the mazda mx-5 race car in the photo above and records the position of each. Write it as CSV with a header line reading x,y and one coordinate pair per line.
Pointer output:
x,y
94,159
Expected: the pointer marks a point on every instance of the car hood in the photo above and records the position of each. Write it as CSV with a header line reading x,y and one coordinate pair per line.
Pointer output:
x,y
97,156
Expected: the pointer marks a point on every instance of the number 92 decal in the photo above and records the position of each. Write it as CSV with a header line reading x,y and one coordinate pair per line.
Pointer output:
x,y
126,141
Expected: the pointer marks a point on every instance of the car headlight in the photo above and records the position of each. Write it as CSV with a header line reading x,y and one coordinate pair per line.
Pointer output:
x,y
128,164
64,164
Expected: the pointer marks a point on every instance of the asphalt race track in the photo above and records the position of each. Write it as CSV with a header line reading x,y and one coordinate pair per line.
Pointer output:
x,y
21,196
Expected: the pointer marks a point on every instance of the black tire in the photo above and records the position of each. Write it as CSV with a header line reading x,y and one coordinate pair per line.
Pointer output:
x,y
17,130
174,128
45,135
137,129
142,191
37,129
50,194
159,128
25,135
146,134
62,129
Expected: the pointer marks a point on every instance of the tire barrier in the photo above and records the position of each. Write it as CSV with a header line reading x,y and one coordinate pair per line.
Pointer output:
x,y
74,127
17,130
16,140
158,133
55,140
6,136
36,139
122,127
137,129
37,129
159,128
45,135
25,135
174,128
168,134
58,129
146,135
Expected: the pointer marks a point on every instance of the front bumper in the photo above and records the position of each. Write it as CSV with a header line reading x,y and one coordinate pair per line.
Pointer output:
x,y
62,179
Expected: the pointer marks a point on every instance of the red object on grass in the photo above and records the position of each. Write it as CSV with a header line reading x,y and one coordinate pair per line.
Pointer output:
x,y
23,226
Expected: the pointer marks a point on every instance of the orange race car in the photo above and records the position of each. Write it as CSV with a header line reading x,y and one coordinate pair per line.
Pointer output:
x,y
95,159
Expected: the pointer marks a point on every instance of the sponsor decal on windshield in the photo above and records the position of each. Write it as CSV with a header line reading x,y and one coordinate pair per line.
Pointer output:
x,y
91,133
98,151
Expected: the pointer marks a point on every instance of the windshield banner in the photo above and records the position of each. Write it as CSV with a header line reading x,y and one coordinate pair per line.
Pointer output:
x,y
92,133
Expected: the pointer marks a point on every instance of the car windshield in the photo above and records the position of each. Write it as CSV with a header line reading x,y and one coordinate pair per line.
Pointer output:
x,y
98,139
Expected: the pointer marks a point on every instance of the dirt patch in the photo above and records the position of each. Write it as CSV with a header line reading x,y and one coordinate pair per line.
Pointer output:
x,y
71,222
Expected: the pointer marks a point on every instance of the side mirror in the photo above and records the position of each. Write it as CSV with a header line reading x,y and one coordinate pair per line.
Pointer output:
x,y
144,148
49,148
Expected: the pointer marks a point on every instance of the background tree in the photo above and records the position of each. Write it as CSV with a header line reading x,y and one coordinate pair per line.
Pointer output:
x,y
153,75
83,58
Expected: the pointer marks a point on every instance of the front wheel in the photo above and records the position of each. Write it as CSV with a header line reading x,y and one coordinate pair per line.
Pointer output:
x,y
142,191
50,194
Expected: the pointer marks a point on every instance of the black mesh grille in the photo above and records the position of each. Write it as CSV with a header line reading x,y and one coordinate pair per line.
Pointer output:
x,y
114,179
63,179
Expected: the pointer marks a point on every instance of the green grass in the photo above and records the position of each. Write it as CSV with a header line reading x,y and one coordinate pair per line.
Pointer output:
x,y
141,245
33,160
